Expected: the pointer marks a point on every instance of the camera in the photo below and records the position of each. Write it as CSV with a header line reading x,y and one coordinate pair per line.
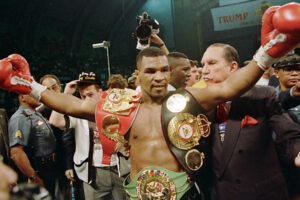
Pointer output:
x,y
28,191
146,26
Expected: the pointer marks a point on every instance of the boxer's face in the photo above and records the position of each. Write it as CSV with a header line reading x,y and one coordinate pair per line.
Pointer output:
x,y
154,75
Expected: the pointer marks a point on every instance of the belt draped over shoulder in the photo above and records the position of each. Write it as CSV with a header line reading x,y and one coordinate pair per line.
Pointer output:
x,y
114,116
186,127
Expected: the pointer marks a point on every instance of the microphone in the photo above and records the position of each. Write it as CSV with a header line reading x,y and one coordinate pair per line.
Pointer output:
x,y
103,44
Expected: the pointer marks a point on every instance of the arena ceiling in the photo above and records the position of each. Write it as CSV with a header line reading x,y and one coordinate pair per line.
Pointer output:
x,y
29,20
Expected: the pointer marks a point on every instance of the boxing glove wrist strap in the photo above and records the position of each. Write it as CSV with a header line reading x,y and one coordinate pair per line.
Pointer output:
x,y
263,60
37,89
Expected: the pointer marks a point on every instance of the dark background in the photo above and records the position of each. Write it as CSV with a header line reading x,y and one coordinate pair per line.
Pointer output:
x,y
56,36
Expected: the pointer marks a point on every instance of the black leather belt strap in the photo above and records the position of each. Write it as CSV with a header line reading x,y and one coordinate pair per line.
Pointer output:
x,y
179,114
46,159
108,167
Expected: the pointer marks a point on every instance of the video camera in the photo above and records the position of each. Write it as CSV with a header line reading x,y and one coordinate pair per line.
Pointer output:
x,y
29,191
146,26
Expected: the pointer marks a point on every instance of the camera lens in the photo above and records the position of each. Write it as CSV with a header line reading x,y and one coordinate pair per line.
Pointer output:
x,y
143,32
29,191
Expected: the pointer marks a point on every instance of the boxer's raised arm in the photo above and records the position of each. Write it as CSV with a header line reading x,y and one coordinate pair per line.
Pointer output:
x,y
69,104
234,86
15,76
280,33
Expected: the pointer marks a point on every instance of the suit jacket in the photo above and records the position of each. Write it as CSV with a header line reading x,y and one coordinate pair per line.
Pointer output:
x,y
287,100
4,145
68,146
246,164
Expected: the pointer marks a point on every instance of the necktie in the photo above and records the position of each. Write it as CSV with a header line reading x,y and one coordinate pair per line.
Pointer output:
x,y
221,113
222,118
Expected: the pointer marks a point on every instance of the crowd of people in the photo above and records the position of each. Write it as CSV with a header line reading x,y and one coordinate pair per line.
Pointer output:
x,y
173,130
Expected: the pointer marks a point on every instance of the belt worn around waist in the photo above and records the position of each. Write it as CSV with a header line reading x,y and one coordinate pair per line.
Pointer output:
x,y
46,159
108,167
157,183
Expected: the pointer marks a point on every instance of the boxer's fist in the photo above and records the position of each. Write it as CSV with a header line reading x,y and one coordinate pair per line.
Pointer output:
x,y
13,80
20,63
15,76
280,33
290,14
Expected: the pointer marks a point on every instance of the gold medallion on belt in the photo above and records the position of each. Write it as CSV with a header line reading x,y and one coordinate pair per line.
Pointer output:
x,y
110,128
185,130
194,159
155,184
119,101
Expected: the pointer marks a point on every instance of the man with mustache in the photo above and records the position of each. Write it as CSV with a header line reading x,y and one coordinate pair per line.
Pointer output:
x,y
245,160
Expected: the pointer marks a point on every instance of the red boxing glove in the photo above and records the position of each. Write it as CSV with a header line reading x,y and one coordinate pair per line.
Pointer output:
x,y
15,76
280,33
21,62
13,80
291,13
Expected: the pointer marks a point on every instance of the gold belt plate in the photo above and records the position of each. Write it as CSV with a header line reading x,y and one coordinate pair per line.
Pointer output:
x,y
194,159
185,130
119,101
156,185
110,128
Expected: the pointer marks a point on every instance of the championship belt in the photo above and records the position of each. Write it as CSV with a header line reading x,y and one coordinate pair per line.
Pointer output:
x,y
186,128
154,182
114,116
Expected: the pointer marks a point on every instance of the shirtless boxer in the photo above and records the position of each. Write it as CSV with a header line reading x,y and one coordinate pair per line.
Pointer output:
x,y
149,152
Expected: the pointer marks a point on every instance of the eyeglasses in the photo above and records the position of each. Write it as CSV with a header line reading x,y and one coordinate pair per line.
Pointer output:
x,y
290,69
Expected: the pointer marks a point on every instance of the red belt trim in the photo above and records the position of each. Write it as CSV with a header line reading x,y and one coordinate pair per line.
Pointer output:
x,y
108,145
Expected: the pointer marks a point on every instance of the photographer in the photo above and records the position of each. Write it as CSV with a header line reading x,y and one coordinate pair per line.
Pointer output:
x,y
159,42
147,32
7,177
9,190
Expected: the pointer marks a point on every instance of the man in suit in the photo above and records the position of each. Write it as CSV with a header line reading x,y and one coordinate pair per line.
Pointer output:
x,y
245,161
290,98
